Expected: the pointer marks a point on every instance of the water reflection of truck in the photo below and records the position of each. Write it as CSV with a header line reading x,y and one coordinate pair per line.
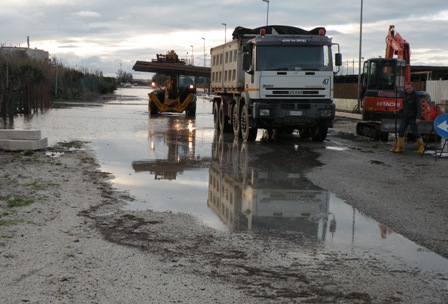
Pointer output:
x,y
279,78
177,142
252,198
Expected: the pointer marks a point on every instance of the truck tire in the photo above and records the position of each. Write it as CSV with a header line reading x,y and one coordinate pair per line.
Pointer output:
x,y
247,132
221,117
216,115
319,132
191,109
236,121
224,125
152,109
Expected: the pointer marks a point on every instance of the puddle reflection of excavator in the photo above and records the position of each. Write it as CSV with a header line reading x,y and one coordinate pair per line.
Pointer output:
x,y
248,196
179,138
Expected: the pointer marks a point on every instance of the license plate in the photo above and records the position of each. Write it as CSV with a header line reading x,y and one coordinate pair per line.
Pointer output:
x,y
295,113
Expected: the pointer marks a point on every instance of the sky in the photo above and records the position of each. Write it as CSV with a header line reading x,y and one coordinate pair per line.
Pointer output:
x,y
109,35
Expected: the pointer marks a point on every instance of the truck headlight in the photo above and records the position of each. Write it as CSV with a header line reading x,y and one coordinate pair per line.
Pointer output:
x,y
264,112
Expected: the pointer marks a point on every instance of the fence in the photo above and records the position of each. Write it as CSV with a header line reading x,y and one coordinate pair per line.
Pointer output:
x,y
26,99
438,89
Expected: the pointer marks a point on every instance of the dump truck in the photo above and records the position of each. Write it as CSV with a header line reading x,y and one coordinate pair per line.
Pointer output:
x,y
278,78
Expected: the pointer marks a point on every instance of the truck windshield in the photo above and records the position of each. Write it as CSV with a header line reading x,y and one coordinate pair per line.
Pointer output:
x,y
185,81
293,58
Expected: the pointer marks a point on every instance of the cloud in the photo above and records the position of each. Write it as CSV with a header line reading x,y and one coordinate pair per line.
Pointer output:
x,y
121,32
87,14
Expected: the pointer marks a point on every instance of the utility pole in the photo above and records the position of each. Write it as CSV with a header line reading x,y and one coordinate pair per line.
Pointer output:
x,y
204,50
267,12
225,31
360,49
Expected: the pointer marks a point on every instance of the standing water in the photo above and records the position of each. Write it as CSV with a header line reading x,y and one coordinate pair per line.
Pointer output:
x,y
174,163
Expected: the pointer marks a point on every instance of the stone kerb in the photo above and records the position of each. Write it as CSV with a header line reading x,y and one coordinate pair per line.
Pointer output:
x,y
17,140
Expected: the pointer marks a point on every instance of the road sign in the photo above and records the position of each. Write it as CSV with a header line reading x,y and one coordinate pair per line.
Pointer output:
x,y
441,125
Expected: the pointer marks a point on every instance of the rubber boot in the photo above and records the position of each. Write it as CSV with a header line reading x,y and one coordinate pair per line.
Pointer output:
x,y
399,146
421,146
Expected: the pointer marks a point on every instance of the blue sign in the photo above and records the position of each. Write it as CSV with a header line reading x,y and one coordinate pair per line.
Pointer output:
x,y
441,125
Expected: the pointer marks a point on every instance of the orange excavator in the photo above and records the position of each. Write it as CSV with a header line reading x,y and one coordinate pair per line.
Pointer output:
x,y
383,81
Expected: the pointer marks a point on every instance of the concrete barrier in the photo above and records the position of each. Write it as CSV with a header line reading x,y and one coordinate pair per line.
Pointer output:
x,y
17,140
345,105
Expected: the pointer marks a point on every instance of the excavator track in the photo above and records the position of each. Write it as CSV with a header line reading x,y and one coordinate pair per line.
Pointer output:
x,y
371,130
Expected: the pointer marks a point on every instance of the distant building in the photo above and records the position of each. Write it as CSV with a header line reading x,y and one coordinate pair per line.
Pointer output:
x,y
38,55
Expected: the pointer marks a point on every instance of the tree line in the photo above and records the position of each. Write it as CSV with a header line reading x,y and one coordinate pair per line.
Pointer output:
x,y
27,85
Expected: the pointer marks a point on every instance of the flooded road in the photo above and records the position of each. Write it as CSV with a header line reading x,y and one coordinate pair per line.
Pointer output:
x,y
174,163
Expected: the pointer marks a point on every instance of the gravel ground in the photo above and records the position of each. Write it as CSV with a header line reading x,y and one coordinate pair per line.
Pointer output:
x,y
65,239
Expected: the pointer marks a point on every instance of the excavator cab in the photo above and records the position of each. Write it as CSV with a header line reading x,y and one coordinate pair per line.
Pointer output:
x,y
382,88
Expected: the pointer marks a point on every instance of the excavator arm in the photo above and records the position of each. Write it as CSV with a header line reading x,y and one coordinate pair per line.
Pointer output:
x,y
396,45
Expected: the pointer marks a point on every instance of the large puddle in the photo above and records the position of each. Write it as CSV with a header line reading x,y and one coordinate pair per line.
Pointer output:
x,y
172,163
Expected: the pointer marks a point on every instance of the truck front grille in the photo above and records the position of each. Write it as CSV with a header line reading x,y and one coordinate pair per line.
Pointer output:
x,y
295,92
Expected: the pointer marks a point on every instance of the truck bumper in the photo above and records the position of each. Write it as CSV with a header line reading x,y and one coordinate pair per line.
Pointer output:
x,y
293,114
171,105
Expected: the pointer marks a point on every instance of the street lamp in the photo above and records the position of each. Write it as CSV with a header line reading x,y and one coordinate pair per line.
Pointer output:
x,y
360,48
192,57
225,31
267,11
204,50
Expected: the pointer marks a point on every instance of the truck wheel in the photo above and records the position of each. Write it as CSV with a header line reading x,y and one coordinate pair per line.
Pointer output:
x,y
152,108
215,146
191,110
224,125
221,118
248,133
236,121
216,115
319,132
243,162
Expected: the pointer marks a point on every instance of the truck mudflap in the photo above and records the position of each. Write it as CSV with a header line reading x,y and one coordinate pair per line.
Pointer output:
x,y
170,105
390,125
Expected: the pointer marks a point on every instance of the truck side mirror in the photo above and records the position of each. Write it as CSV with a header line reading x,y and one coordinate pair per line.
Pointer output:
x,y
338,59
247,58
247,63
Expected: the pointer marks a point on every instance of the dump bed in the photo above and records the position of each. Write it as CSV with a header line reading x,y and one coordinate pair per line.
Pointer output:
x,y
226,68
